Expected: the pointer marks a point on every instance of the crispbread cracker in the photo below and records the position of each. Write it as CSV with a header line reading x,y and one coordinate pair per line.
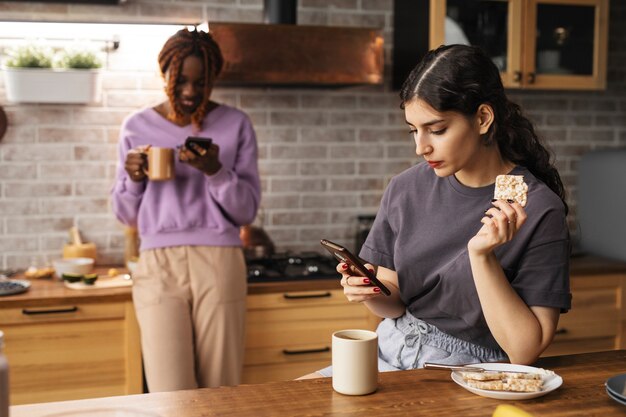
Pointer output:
x,y
504,381
490,385
511,187
492,376
482,376
523,385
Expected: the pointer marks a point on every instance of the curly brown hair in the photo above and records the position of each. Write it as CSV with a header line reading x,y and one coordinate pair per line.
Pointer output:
x,y
181,45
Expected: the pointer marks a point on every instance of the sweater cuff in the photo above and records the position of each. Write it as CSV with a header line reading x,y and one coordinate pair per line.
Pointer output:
x,y
135,188
219,178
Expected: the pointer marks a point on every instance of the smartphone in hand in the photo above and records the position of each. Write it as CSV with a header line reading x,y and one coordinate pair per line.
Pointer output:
x,y
203,143
344,255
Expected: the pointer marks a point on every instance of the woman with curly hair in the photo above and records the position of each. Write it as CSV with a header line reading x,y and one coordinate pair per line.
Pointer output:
x,y
473,278
189,288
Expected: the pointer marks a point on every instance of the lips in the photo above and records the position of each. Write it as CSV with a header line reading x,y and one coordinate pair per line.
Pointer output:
x,y
434,164
188,104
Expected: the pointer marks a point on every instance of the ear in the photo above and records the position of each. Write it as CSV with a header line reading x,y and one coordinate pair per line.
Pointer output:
x,y
484,117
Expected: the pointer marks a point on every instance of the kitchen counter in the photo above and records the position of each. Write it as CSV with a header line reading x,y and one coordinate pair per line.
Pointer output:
x,y
423,392
45,292
48,292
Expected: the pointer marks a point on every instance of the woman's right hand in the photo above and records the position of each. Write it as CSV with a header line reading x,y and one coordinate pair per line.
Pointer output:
x,y
355,287
136,161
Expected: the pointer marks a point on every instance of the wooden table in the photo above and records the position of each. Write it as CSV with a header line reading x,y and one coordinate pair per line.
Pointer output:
x,y
418,392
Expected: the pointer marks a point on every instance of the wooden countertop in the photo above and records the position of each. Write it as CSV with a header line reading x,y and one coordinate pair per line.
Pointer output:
x,y
423,392
48,292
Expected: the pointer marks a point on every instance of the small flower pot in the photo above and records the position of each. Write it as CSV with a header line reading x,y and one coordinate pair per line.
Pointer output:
x,y
46,85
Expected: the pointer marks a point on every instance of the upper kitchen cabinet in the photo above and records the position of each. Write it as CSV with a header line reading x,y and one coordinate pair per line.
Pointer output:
x,y
537,44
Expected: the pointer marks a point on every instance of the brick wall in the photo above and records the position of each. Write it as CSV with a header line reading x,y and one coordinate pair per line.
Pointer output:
x,y
325,154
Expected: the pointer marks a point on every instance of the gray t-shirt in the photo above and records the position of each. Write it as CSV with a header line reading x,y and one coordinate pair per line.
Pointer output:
x,y
422,229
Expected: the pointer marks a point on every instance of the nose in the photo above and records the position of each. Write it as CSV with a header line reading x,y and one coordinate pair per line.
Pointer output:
x,y
188,90
422,146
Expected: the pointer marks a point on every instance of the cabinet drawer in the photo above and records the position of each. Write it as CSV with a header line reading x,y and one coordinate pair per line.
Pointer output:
x,y
571,347
282,372
291,354
61,313
594,298
304,332
295,299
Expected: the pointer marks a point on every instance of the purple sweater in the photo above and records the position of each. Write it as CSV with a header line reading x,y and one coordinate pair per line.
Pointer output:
x,y
192,209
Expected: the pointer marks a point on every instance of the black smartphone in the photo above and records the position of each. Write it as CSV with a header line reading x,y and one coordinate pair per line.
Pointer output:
x,y
202,143
344,255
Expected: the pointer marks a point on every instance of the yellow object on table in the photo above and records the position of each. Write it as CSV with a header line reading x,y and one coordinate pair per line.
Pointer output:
x,y
506,410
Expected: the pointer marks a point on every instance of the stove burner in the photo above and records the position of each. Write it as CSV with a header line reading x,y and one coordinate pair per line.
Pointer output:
x,y
289,267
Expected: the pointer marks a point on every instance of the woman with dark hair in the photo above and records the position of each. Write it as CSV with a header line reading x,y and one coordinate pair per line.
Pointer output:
x,y
190,286
473,279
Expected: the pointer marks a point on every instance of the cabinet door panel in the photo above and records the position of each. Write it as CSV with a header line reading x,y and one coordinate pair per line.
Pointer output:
x,y
494,25
566,44
63,361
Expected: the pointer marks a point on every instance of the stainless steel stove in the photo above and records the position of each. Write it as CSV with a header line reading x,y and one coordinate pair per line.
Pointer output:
x,y
289,266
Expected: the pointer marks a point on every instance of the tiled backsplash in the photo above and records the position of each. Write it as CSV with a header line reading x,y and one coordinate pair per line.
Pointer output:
x,y
325,154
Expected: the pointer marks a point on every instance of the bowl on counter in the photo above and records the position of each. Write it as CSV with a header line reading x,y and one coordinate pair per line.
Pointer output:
x,y
132,266
73,266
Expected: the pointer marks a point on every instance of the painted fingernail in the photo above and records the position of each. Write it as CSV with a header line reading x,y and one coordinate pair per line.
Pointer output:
x,y
366,281
344,266
510,201
371,270
376,289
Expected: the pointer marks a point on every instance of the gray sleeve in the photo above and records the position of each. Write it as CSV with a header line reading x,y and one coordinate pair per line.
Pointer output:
x,y
379,245
542,276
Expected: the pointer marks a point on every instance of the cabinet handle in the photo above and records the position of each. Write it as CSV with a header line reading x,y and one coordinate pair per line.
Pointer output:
x,y
517,76
562,330
531,78
315,295
55,311
304,351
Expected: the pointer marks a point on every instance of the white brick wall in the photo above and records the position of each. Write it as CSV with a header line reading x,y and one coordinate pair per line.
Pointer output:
x,y
326,154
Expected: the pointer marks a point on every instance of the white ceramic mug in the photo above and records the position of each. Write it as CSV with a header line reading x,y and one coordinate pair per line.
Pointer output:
x,y
355,362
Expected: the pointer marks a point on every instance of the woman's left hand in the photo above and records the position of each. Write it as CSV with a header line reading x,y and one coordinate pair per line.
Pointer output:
x,y
500,224
208,161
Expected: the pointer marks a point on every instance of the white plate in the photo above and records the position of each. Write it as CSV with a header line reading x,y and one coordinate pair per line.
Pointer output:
x,y
615,397
550,382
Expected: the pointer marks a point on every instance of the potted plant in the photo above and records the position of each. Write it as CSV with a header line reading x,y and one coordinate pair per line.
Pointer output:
x,y
36,75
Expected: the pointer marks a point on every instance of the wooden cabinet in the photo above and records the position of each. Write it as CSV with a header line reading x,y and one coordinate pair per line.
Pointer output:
x,y
289,333
597,320
72,351
537,44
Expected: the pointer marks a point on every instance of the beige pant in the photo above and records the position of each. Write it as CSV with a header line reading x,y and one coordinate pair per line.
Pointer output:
x,y
190,304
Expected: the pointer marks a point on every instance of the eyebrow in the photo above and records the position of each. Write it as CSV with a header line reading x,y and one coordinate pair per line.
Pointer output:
x,y
429,123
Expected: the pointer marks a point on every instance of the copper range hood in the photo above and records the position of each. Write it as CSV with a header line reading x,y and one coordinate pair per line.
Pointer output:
x,y
299,55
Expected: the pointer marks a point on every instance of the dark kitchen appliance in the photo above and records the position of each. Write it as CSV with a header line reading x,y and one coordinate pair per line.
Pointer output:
x,y
280,11
602,203
363,227
290,266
